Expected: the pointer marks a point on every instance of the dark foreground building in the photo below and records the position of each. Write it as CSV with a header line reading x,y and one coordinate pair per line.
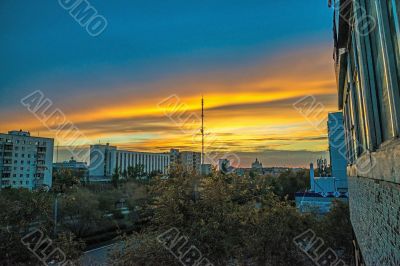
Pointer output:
x,y
367,61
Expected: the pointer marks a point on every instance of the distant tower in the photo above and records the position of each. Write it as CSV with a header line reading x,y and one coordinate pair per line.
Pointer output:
x,y
202,130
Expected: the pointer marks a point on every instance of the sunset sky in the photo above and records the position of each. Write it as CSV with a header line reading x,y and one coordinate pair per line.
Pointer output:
x,y
252,60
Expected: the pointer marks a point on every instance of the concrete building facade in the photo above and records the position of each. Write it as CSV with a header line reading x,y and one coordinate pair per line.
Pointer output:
x,y
25,161
337,151
104,159
367,63
206,169
189,159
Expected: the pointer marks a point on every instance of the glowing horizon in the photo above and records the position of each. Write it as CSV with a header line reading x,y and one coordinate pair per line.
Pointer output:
x,y
109,87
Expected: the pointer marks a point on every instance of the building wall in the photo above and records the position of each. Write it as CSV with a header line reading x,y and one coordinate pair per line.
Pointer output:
x,y
174,156
375,213
102,162
206,169
151,161
25,161
104,159
191,160
337,150
367,63
188,159
311,202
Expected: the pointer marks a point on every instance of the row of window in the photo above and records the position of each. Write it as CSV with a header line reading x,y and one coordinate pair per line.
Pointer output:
x,y
17,141
22,162
23,148
28,162
21,175
17,155
372,102
149,161
23,155
7,183
27,169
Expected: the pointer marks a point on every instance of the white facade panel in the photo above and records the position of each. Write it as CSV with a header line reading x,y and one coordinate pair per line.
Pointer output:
x,y
25,161
121,160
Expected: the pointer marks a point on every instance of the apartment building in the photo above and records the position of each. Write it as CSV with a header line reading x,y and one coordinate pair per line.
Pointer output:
x,y
104,159
367,63
189,159
25,161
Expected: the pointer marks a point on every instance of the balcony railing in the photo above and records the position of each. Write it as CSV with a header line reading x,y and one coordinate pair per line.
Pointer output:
x,y
8,147
7,155
41,169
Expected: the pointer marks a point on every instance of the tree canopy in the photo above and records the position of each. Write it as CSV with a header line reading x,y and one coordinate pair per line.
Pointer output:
x,y
229,219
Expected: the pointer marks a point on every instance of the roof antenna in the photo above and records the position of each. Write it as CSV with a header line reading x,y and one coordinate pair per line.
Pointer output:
x,y
57,153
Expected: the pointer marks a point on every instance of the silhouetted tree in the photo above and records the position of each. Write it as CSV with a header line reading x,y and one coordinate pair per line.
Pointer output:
x,y
115,179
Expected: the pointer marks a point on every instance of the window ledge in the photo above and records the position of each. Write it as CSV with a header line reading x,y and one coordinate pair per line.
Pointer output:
x,y
383,164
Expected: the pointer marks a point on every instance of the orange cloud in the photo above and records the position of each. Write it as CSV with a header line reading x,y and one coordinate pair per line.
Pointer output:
x,y
248,109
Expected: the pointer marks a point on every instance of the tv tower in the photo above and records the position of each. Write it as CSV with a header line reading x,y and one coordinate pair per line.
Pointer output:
x,y
202,130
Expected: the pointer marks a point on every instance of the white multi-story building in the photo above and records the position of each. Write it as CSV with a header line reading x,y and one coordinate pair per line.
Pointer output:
x,y
104,159
189,159
25,161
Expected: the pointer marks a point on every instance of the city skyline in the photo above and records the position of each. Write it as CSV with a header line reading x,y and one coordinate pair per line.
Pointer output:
x,y
200,132
250,72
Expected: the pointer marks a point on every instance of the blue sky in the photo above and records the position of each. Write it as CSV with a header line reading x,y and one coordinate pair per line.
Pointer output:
x,y
151,38
146,42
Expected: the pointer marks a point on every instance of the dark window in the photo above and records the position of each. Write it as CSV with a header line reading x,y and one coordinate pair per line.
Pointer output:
x,y
381,72
394,15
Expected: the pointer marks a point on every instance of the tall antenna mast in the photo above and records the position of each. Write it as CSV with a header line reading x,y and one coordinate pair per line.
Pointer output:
x,y
57,152
202,130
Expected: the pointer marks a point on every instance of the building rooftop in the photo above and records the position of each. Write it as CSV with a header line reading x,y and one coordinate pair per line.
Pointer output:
x,y
19,133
